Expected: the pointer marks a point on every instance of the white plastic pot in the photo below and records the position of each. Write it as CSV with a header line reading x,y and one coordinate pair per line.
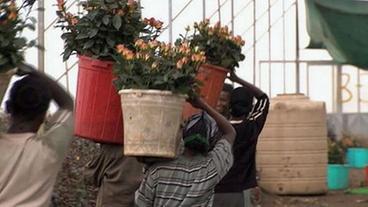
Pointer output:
x,y
152,120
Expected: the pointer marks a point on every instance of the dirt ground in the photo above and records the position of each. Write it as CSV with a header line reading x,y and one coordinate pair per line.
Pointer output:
x,y
72,191
332,199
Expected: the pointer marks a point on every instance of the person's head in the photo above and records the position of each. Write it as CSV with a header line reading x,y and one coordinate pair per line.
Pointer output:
x,y
224,100
28,100
241,102
198,132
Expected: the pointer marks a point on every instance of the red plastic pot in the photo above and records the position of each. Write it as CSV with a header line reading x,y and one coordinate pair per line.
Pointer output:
x,y
98,114
213,78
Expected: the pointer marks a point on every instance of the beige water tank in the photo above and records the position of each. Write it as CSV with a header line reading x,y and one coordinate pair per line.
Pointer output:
x,y
292,149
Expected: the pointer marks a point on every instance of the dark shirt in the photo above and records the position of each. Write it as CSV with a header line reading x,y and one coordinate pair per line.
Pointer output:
x,y
242,175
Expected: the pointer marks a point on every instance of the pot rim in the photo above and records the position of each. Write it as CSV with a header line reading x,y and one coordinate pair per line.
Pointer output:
x,y
151,92
215,67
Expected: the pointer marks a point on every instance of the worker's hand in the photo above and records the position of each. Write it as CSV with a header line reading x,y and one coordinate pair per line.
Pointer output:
x,y
25,69
256,196
233,77
197,102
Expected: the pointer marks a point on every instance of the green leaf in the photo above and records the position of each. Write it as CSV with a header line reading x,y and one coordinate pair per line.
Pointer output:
x,y
32,43
110,42
166,77
33,20
96,50
159,82
4,43
105,51
93,32
81,36
20,42
66,54
242,57
92,15
88,44
14,58
177,75
3,61
66,35
31,27
106,19
114,6
116,22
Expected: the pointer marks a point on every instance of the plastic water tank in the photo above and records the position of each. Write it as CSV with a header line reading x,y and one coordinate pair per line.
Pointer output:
x,y
292,149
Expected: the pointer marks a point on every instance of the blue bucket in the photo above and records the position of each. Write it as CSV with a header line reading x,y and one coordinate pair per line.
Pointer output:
x,y
357,157
337,177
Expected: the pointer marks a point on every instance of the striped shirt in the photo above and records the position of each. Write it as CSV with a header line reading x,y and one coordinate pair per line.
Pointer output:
x,y
185,181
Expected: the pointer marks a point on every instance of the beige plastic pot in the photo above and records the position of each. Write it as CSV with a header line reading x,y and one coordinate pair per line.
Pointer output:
x,y
152,120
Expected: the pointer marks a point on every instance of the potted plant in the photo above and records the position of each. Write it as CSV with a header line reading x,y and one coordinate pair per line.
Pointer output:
x,y
223,53
93,35
154,79
356,155
337,171
12,43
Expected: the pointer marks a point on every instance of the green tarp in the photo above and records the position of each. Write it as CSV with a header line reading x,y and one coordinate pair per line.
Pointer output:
x,y
314,26
341,26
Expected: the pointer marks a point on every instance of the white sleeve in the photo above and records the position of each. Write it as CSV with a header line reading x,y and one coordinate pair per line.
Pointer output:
x,y
59,131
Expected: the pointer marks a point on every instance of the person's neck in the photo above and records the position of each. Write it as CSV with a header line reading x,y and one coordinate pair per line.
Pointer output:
x,y
17,127
237,118
226,115
189,153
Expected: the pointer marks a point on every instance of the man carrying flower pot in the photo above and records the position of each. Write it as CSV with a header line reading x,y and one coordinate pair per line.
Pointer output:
x,y
248,120
31,158
190,179
117,176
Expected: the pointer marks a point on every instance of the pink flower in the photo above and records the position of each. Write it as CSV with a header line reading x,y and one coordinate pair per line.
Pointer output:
x,y
60,4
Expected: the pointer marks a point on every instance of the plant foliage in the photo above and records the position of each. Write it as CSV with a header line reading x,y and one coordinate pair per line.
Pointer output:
x,y
221,47
12,43
337,149
102,25
157,65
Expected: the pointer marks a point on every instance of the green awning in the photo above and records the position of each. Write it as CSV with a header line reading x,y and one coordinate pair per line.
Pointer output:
x,y
314,27
342,27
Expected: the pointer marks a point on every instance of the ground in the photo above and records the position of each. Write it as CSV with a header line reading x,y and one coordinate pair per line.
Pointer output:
x,y
72,191
332,199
